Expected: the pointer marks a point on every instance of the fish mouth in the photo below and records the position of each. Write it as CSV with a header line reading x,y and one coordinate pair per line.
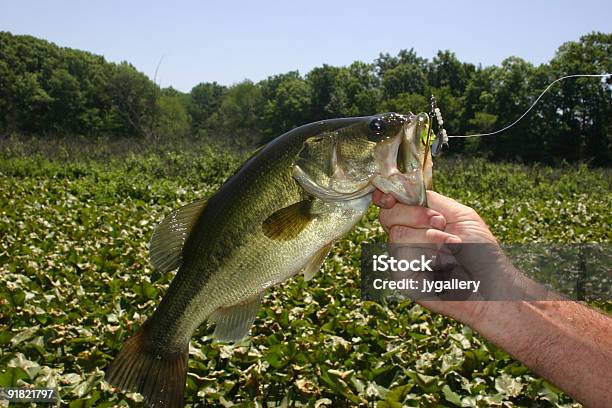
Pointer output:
x,y
401,163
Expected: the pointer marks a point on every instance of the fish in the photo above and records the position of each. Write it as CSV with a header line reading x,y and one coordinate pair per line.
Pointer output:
x,y
277,216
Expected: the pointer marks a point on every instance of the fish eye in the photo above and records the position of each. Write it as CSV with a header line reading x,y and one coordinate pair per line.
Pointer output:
x,y
377,125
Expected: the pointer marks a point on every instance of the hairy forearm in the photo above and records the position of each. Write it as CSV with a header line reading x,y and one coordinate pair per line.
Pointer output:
x,y
567,343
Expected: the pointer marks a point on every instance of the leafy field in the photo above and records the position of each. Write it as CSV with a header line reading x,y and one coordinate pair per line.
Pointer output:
x,y
75,282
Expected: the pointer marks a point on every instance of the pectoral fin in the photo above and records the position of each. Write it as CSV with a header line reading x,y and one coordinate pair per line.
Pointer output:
x,y
166,246
314,264
234,322
286,223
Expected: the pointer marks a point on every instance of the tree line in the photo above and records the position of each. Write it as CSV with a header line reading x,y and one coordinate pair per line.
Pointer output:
x,y
48,90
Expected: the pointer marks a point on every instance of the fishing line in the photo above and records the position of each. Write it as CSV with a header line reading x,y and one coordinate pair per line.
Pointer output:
x,y
532,105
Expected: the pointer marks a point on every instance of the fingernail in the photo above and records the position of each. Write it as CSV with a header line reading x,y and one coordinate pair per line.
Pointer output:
x,y
453,244
438,222
383,201
452,240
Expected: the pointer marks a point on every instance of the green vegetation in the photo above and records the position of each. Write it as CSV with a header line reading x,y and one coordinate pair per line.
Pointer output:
x,y
75,282
48,90
94,154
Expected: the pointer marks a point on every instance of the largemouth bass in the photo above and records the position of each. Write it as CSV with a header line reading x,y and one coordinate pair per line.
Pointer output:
x,y
277,216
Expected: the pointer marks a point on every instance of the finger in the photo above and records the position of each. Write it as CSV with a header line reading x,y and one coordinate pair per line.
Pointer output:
x,y
383,200
376,198
442,256
452,210
411,216
401,234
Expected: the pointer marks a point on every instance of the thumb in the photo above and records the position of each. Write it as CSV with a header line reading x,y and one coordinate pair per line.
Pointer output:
x,y
452,210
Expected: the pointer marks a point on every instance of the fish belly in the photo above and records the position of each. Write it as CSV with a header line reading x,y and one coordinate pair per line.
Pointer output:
x,y
261,262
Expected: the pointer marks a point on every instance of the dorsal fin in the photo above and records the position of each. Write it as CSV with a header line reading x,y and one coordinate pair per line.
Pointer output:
x,y
286,223
166,246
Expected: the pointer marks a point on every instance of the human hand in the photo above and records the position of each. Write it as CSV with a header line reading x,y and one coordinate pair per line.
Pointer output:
x,y
445,221
450,224
563,341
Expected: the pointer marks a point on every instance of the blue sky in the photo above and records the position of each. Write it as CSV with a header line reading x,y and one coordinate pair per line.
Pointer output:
x,y
228,41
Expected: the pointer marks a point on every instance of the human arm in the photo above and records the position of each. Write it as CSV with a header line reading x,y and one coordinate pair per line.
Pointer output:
x,y
563,341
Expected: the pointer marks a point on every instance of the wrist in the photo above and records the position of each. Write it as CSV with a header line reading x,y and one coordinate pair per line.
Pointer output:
x,y
494,319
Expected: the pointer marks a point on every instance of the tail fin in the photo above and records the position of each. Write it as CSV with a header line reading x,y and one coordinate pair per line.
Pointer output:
x,y
159,376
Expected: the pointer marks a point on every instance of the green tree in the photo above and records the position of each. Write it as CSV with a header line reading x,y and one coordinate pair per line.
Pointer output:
x,y
362,88
404,78
513,94
46,89
287,103
328,99
406,102
386,62
67,104
447,70
344,91
583,105
32,102
237,120
205,100
173,119
134,100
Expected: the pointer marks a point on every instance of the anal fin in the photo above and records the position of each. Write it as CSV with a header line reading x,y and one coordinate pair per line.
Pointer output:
x,y
316,261
234,322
